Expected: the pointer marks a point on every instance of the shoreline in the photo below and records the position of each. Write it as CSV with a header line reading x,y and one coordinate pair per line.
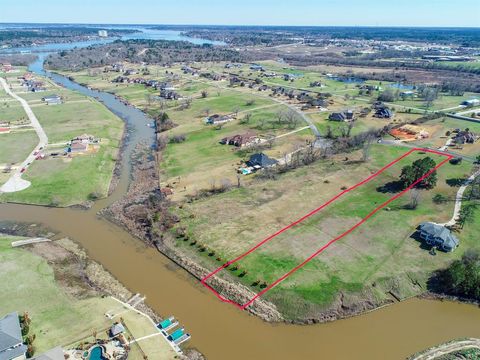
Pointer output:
x,y
263,309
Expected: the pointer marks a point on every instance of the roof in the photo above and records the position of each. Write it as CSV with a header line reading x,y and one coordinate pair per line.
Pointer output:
x,y
10,332
262,160
10,336
52,354
116,329
440,232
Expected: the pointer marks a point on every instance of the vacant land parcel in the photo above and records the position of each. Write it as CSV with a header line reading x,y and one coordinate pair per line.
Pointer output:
x,y
380,252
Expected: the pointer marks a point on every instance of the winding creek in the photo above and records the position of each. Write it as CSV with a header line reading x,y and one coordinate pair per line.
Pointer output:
x,y
220,330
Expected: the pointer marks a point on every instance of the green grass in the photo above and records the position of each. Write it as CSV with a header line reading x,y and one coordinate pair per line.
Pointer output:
x,y
15,147
27,283
60,183
64,182
377,252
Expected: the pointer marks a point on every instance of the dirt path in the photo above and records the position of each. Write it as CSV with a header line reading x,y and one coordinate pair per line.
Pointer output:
x,y
448,348
15,182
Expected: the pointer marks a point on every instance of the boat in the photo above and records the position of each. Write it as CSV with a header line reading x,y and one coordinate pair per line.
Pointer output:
x,y
182,339
176,335
167,324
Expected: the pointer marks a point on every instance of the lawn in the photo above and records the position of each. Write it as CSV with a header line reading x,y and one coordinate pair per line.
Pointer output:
x,y
15,146
57,317
380,252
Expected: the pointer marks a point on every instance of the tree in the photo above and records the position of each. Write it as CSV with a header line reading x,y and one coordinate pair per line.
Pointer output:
x,y
204,94
366,149
462,277
412,173
466,214
414,199
388,96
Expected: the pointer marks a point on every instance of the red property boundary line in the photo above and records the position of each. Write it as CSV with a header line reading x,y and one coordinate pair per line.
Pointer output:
x,y
276,282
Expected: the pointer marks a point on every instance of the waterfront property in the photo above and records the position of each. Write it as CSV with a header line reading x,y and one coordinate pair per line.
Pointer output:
x,y
261,160
11,341
438,235
52,99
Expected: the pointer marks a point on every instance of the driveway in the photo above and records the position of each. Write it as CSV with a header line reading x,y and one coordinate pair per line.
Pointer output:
x,y
15,182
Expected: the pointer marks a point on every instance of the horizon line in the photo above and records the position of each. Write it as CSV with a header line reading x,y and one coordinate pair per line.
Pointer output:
x,y
247,25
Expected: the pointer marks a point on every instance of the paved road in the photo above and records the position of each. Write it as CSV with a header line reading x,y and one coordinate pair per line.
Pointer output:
x,y
445,349
459,199
15,182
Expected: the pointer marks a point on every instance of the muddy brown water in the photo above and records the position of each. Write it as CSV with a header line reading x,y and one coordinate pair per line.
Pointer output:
x,y
219,330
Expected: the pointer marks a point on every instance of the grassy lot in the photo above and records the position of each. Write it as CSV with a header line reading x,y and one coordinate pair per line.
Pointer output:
x,y
15,146
230,223
64,181
57,317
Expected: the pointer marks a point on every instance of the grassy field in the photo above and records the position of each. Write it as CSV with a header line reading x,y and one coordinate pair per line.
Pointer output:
x,y
15,146
230,223
64,181
57,317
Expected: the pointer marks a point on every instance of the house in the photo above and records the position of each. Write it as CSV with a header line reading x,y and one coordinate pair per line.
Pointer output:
x,y
342,116
118,68
218,119
103,33
383,113
7,67
130,72
261,160
116,329
52,354
407,94
77,147
256,67
247,139
11,341
52,99
438,235
464,137
169,94
470,103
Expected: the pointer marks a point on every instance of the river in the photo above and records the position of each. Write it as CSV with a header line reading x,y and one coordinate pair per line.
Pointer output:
x,y
220,330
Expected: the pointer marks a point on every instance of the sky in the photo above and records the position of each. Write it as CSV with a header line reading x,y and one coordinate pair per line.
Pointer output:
x,y
444,13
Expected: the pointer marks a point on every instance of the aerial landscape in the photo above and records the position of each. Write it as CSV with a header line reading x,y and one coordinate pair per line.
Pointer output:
x,y
263,180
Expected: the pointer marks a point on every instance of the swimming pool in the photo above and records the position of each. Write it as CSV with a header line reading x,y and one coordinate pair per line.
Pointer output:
x,y
96,353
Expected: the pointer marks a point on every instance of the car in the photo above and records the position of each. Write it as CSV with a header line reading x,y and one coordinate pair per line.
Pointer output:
x,y
22,171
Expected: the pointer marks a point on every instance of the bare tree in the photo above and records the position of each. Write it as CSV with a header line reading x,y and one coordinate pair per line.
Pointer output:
x,y
246,118
236,110
414,199
270,140
367,145
291,117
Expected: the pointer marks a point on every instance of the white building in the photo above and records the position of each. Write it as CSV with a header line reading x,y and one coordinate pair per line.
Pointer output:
x,y
102,33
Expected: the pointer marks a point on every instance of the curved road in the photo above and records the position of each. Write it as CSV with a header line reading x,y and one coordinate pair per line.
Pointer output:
x,y
15,182
445,349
